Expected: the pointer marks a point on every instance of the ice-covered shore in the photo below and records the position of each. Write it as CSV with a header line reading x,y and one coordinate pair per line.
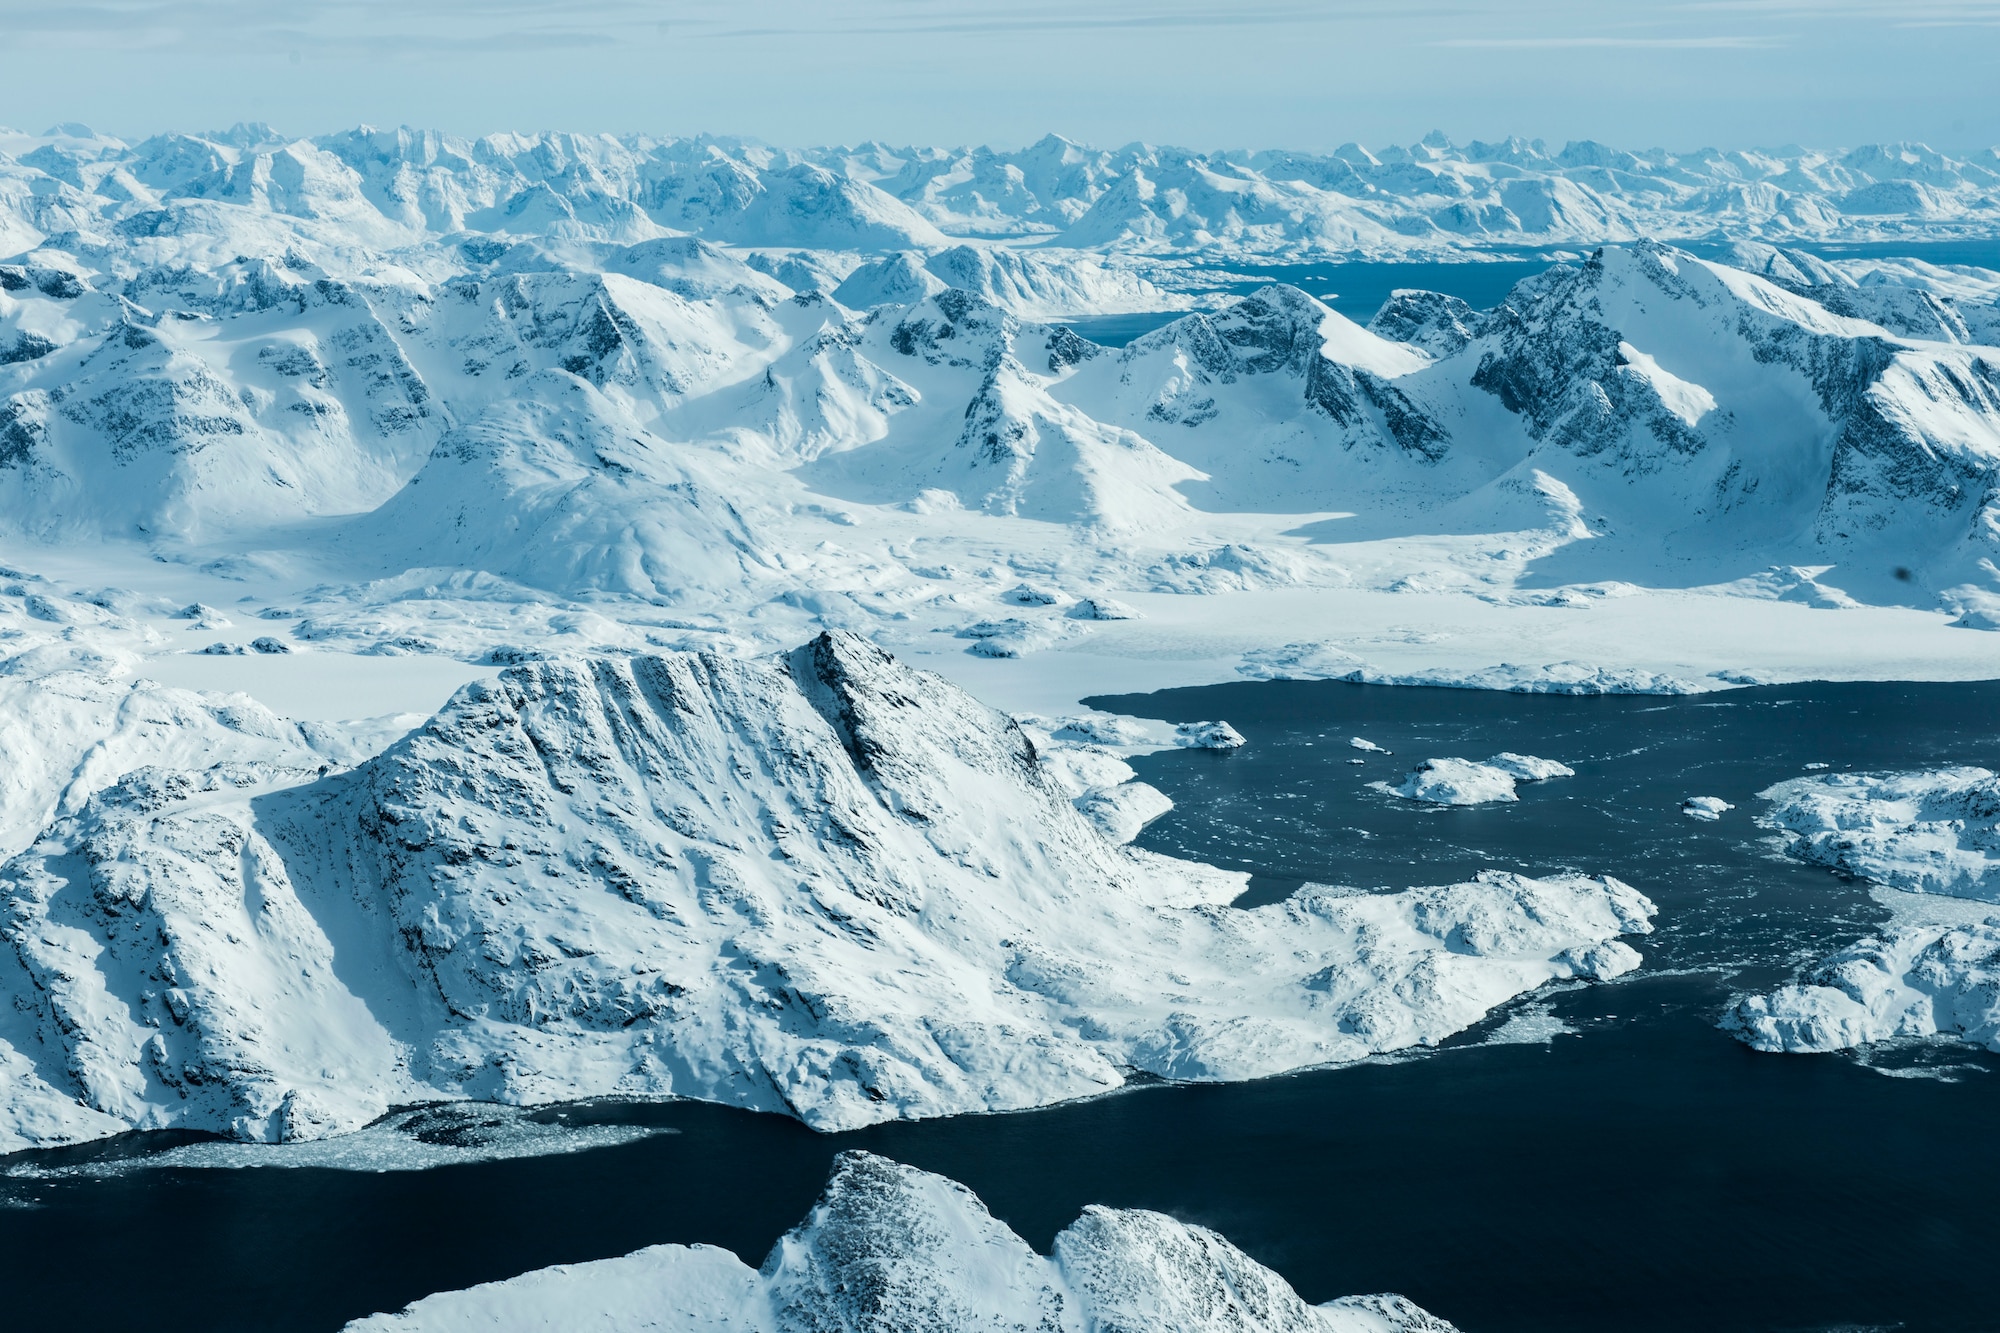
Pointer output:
x,y
1927,832
892,1248
821,883
1917,981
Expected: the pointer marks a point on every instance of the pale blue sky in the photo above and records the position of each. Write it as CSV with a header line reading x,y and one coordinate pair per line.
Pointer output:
x,y
1203,73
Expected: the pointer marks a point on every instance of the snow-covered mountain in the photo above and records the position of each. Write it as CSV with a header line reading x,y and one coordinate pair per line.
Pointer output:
x,y
893,1248
1434,197
664,420
750,881
495,403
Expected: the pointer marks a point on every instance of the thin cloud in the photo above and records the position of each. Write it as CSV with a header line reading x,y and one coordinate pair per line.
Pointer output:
x,y
1891,13
1732,43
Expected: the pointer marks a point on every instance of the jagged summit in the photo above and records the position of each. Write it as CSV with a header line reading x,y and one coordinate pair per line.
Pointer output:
x,y
1430,196
751,881
891,1247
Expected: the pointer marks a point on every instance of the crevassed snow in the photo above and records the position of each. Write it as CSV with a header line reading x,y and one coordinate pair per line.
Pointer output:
x,y
820,883
894,1248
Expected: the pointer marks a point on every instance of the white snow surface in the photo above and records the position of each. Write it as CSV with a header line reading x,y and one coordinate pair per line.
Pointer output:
x,y
299,437
820,883
1917,981
1936,971
1934,831
893,1248
1469,782
1707,809
1431,198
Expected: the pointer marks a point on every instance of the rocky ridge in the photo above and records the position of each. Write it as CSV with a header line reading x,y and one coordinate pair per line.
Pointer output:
x,y
740,880
890,1247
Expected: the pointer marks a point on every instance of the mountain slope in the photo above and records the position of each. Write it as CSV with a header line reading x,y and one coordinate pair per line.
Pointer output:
x,y
747,881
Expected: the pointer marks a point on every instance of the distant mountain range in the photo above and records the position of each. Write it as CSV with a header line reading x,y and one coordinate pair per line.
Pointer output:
x,y
390,187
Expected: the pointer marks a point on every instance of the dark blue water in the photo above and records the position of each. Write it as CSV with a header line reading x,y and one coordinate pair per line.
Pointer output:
x,y
1646,1173
1120,330
1358,288
1979,253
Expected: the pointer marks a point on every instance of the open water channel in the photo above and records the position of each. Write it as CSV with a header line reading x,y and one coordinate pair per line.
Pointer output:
x,y
1600,1157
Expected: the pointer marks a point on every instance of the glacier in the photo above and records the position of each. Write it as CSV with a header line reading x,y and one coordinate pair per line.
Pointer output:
x,y
890,1247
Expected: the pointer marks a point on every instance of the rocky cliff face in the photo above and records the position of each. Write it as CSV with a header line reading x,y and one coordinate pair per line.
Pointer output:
x,y
820,883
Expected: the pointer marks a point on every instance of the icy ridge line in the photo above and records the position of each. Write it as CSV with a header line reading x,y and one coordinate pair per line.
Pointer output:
x,y
662,424
892,1248
820,883
1432,197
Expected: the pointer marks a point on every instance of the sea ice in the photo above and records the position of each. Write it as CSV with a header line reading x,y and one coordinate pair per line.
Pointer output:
x,y
1103,608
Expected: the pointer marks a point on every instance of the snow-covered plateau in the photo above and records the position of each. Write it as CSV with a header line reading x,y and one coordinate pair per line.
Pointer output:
x,y
893,1248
